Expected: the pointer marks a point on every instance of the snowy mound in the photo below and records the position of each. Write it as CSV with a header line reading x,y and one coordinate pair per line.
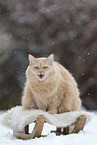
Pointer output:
x,y
17,118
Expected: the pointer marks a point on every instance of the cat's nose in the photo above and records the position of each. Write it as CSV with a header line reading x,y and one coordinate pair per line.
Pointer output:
x,y
40,70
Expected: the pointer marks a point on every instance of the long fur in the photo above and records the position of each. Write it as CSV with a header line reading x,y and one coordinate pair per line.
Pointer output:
x,y
17,118
56,92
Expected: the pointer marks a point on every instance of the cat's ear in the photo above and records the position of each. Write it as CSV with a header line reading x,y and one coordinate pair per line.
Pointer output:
x,y
50,59
32,59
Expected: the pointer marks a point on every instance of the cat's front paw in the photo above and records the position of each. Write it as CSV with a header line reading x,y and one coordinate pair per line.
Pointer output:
x,y
52,111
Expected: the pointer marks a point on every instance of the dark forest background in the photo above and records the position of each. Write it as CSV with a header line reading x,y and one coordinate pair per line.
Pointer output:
x,y
66,28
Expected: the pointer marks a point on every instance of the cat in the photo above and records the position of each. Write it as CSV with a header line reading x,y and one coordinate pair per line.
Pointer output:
x,y
50,87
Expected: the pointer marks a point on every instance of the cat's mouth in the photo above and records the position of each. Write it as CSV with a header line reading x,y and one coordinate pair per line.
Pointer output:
x,y
41,76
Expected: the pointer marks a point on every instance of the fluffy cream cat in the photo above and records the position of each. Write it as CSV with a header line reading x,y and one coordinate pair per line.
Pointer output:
x,y
50,87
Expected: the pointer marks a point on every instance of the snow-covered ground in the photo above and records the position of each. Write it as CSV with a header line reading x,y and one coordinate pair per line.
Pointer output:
x,y
86,137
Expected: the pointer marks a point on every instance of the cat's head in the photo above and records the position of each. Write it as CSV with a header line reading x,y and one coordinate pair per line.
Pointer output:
x,y
41,68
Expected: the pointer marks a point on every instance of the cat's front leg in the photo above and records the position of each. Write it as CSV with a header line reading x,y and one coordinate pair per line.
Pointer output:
x,y
52,109
28,101
41,106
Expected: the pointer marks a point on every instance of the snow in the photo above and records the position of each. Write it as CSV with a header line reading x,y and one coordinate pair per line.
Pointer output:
x,y
86,137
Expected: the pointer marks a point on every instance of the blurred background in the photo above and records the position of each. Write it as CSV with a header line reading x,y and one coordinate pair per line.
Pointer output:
x,y
66,28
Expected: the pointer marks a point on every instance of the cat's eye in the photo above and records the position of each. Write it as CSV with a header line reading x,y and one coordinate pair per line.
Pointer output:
x,y
45,67
36,67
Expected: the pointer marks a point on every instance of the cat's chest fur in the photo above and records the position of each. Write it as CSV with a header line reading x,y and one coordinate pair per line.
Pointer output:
x,y
44,89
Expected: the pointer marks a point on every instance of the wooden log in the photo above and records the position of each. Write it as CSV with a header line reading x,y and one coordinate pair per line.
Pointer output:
x,y
38,126
79,124
27,129
36,131
61,130
66,130
58,131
